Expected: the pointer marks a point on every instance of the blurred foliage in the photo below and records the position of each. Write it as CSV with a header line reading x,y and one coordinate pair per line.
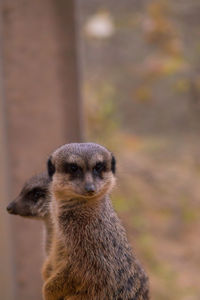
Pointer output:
x,y
142,100
100,110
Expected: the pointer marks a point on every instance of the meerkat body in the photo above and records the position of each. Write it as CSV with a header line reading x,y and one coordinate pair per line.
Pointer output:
x,y
33,202
90,255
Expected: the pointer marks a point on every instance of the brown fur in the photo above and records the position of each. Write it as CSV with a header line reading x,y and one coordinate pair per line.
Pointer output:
x,y
33,202
90,255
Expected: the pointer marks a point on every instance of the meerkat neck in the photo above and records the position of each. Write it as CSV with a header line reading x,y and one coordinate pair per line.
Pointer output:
x,y
79,212
81,204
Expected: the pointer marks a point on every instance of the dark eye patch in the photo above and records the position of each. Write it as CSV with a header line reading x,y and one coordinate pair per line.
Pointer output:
x,y
99,168
36,193
73,169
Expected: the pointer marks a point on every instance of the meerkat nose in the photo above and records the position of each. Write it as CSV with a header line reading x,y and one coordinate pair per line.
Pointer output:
x,y
10,208
90,188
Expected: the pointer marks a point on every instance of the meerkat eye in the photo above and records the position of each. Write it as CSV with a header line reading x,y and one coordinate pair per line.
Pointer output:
x,y
99,167
72,168
36,194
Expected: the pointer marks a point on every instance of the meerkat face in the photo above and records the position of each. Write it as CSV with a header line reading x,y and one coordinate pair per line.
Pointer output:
x,y
33,200
84,170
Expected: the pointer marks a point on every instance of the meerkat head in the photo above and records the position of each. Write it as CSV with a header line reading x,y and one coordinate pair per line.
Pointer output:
x,y
33,200
81,170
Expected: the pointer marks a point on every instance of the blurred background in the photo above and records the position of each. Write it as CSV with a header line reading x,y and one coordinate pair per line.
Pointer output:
x,y
124,74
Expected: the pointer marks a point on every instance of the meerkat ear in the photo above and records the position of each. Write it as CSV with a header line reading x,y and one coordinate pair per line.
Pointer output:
x,y
50,167
113,164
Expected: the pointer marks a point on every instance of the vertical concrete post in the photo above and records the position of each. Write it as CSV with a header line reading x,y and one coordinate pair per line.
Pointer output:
x,y
43,110
6,257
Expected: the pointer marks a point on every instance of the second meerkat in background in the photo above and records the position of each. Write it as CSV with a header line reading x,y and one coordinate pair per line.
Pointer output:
x,y
90,255
33,202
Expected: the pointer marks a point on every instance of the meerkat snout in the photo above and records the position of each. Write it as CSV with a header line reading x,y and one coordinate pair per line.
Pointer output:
x,y
89,184
90,188
11,208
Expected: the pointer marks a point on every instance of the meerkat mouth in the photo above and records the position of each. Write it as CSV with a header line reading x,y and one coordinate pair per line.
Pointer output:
x,y
67,197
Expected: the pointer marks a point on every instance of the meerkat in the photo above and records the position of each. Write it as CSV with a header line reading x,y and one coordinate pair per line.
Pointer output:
x,y
33,202
90,256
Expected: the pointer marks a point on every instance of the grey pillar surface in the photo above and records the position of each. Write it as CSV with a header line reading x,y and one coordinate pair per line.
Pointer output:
x,y
43,111
6,255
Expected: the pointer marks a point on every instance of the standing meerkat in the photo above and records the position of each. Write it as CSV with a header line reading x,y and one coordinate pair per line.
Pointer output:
x,y
90,255
33,202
